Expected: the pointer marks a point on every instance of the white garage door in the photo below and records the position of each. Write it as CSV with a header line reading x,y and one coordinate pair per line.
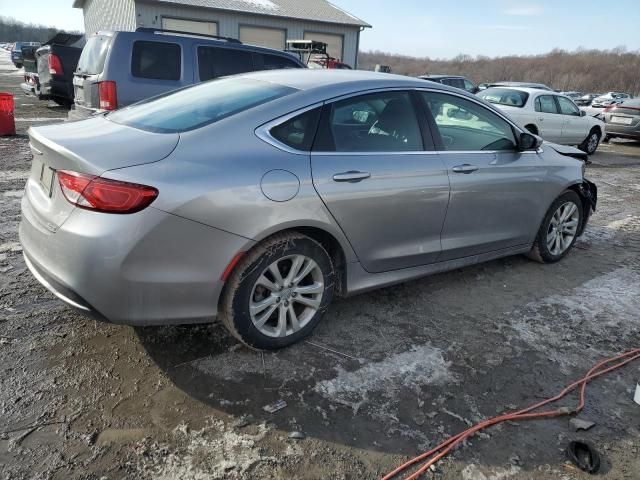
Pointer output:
x,y
193,26
334,42
263,37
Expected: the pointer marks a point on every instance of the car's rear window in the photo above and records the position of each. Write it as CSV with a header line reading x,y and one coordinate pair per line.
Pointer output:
x,y
199,105
505,96
94,54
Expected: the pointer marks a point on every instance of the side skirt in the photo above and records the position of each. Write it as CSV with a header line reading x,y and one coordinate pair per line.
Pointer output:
x,y
360,281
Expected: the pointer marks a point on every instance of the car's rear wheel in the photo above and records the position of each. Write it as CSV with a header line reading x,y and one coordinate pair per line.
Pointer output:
x,y
590,144
278,293
559,229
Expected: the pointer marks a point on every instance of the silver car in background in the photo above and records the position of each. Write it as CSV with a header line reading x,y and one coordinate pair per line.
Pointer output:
x,y
257,198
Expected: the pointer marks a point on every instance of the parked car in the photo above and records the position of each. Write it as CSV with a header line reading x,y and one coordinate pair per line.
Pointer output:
x,y
609,98
258,197
572,95
56,61
585,100
453,81
16,52
537,86
161,61
552,116
623,120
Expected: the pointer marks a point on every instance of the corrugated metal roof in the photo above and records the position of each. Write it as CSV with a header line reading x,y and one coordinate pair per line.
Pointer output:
x,y
313,10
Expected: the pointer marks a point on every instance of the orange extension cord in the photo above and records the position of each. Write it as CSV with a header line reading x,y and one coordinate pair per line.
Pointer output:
x,y
445,447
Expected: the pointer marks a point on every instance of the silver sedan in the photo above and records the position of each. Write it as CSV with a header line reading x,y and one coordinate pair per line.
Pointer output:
x,y
257,198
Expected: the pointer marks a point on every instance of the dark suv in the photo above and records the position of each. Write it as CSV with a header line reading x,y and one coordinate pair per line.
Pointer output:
x,y
453,81
120,68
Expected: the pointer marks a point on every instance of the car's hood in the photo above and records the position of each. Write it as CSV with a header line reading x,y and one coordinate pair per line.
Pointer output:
x,y
566,150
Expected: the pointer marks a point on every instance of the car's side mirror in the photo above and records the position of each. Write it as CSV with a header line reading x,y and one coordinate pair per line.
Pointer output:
x,y
529,141
583,113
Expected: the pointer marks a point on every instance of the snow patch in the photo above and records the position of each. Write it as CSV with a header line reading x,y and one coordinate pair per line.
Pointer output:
x,y
266,4
13,175
602,310
609,231
420,366
472,472
215,452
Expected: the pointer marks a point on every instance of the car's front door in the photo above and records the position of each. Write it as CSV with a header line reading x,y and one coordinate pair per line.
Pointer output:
x,y
377,173
495,189
548,118
574,126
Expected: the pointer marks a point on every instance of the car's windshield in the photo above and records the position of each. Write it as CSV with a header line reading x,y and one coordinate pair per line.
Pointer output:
x,y
505,96
199,105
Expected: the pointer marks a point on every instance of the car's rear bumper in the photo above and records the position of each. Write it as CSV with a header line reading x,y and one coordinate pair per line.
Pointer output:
x,y
626,131
57,89
147,268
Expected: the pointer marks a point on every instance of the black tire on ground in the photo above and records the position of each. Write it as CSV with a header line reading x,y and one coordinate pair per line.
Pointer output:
x,y
238,292
590,144
540,251
18,65
532,129
607,138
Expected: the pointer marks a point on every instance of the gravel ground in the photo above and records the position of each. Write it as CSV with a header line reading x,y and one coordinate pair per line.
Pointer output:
x,y
386,375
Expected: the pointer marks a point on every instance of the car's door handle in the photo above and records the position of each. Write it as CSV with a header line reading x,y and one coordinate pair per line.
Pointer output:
x,y
350,176
466,168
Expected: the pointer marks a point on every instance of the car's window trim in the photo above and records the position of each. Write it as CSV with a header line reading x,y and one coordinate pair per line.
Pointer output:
x,y
262,131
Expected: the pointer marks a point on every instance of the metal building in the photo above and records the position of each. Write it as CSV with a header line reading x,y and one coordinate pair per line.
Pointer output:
x,y
267,23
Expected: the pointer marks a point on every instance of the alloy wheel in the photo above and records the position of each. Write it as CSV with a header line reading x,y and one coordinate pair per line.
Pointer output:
x,y
286,296
563,228
593,143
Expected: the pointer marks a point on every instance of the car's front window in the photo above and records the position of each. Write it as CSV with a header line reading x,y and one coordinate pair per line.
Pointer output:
x,y
505,96
199,105
466,126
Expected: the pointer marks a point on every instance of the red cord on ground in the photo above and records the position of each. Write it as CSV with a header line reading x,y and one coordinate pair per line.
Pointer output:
x,y
445,447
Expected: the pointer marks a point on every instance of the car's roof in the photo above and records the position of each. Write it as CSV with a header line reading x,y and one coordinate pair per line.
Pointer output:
x,y
529,90
437,77
308,79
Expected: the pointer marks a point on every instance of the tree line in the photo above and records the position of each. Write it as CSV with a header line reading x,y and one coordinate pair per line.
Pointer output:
x,y
12,30
589,71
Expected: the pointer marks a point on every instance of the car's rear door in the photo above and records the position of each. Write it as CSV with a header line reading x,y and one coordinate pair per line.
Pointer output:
x,y
574,127
548,118
377,173
495,190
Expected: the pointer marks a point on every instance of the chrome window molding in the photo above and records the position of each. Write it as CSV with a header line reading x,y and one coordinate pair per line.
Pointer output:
x,y
264,131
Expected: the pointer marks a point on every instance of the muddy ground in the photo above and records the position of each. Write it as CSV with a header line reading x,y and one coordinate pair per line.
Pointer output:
x,y
386,375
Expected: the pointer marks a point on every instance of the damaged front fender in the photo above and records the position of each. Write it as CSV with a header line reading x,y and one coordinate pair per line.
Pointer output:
x,y
588,192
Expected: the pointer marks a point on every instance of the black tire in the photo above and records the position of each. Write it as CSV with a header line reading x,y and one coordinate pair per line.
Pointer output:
x,y
606,138
532,129
63,102
239,290
591,143
540,251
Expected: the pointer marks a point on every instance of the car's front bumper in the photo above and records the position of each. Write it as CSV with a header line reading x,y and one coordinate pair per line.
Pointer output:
x,y
147,268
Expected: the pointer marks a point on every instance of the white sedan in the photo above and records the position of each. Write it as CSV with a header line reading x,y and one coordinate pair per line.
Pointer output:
x,y
552,116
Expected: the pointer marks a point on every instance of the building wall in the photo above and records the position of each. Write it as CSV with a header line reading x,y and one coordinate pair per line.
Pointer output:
x,y
150,15
109,15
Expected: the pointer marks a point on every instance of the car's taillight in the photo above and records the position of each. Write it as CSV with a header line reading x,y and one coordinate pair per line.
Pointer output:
x,y
55,65
104,195
108,95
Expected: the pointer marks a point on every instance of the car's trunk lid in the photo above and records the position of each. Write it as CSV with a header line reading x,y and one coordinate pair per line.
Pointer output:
x,y
92,146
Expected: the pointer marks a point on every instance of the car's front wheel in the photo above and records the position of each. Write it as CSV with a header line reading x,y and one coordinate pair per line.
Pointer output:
x,y
278,293
559,229
590,144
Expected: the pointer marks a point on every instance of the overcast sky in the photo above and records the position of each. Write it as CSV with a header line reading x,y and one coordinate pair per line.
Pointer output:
x,y
440,29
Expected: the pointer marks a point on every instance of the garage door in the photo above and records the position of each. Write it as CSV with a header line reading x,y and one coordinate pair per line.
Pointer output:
x,y
263,37
193,26
334,42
